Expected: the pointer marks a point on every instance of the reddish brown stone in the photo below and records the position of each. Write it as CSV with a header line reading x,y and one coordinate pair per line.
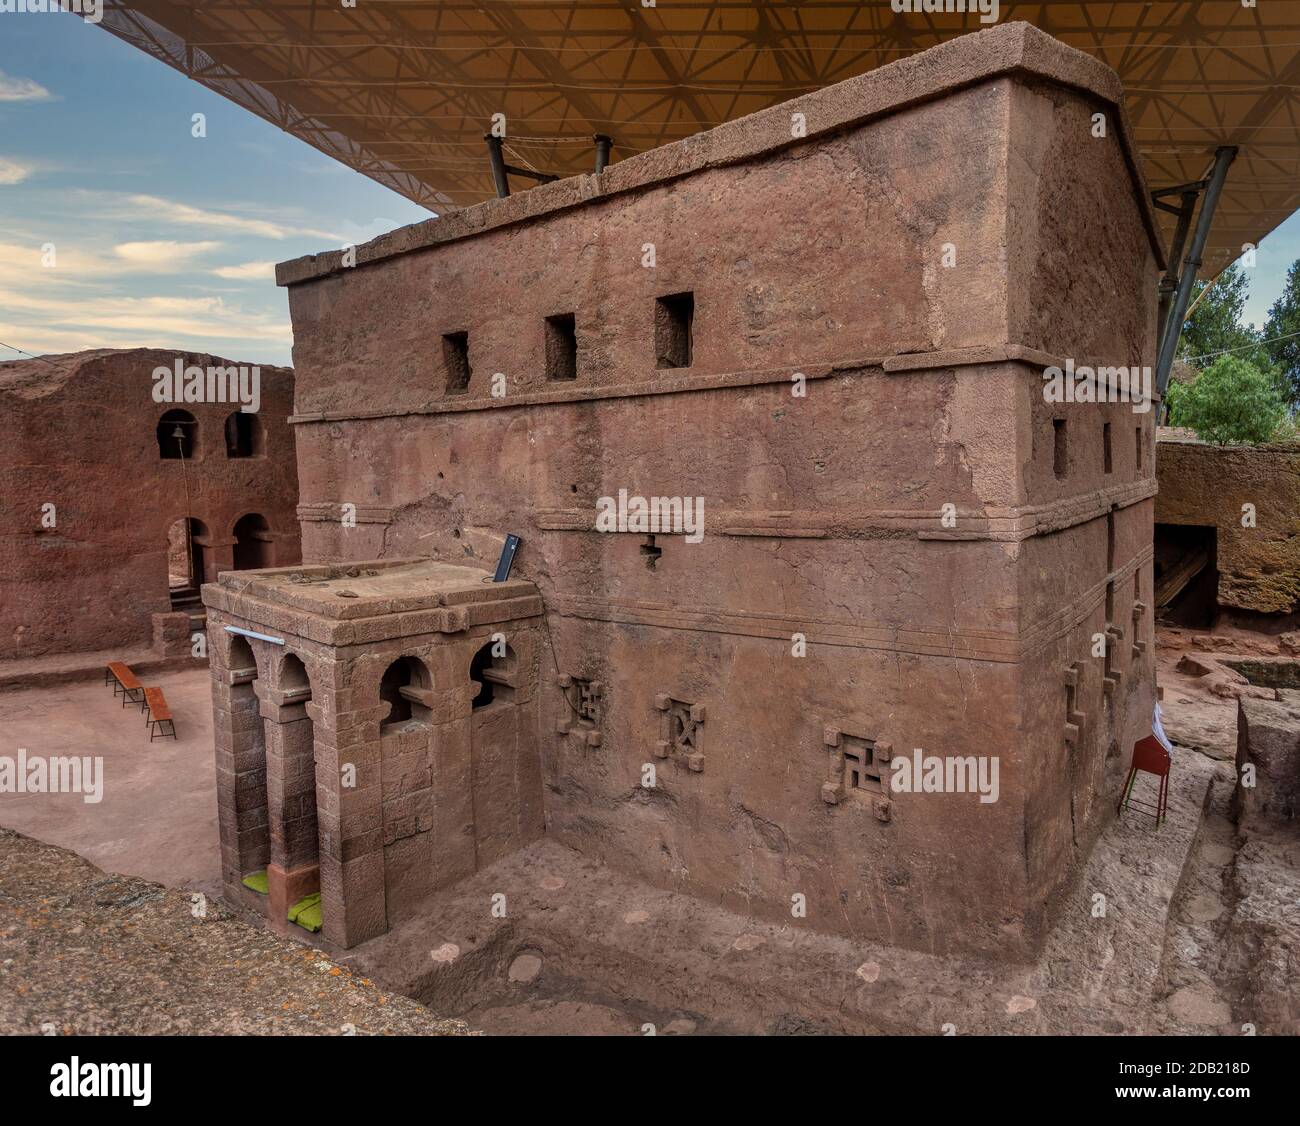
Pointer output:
x,y
906,545
81,435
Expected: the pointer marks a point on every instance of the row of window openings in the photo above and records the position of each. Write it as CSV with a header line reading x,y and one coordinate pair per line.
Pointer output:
x,y
405,684
178,435
1061,448
674,320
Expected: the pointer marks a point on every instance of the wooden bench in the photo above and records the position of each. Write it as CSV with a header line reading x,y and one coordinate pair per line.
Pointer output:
x,y
158,715
124,683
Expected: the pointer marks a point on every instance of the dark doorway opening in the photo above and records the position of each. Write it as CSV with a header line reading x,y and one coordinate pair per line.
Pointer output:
x,y
244,435
1186,575
186,544
252,543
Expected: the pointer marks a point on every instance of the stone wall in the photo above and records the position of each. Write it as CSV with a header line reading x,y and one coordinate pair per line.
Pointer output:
x,y
1259,562
906,546
1268,742
81,435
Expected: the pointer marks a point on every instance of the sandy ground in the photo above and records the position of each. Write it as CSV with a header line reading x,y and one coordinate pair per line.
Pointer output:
x,y
158,816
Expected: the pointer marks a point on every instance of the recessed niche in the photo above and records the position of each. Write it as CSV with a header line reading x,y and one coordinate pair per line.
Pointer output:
x,y
561,347
674,323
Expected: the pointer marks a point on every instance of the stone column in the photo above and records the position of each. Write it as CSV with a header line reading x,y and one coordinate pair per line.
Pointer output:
x,y
294,868
218,555
455,850
353,898
240,752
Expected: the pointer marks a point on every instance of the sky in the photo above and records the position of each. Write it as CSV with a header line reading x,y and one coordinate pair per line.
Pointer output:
x,y
160,239
1268,276
164,239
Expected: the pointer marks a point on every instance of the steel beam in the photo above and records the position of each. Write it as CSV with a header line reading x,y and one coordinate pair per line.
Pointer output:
x,y
499,177
1173,328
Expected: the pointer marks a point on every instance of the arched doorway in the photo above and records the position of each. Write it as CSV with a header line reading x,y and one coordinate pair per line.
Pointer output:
x,y
186,561
252,543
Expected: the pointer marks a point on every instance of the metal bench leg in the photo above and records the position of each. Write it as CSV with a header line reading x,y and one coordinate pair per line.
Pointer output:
x,y
1128,790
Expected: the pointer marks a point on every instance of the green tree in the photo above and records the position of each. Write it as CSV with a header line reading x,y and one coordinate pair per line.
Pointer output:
x,y
1230,401
1215,324
1282,330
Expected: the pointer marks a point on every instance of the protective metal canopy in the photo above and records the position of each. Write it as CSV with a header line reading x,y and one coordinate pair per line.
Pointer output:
x,y
404,90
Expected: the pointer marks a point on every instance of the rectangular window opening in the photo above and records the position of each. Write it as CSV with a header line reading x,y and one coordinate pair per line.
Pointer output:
x,y
561,347
455,358
674,317
1060,450
1138,434
1105,446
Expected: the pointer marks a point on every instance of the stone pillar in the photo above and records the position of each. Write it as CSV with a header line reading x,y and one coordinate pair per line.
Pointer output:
x,y
455,851
171,634
349,818
294,868
240,750
218,555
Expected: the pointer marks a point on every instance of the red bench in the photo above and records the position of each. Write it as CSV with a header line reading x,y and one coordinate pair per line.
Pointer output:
x,y
158,715
124,683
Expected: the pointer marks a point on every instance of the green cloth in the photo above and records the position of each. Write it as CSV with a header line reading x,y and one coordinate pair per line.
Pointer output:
x,y
306,912
257,881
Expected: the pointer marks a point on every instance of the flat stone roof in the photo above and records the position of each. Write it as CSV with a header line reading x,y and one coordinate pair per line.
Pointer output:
x,y
1011,49
368,590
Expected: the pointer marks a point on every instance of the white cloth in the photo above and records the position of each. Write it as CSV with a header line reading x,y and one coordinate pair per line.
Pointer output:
x,y
1159,732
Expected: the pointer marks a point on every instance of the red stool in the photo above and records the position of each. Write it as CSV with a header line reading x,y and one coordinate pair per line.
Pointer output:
x,y
1150,756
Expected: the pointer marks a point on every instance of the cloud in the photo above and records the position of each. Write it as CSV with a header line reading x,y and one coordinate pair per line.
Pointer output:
x,y
24,265
108,320
21,90
163,253
249,271
170,211
11,172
